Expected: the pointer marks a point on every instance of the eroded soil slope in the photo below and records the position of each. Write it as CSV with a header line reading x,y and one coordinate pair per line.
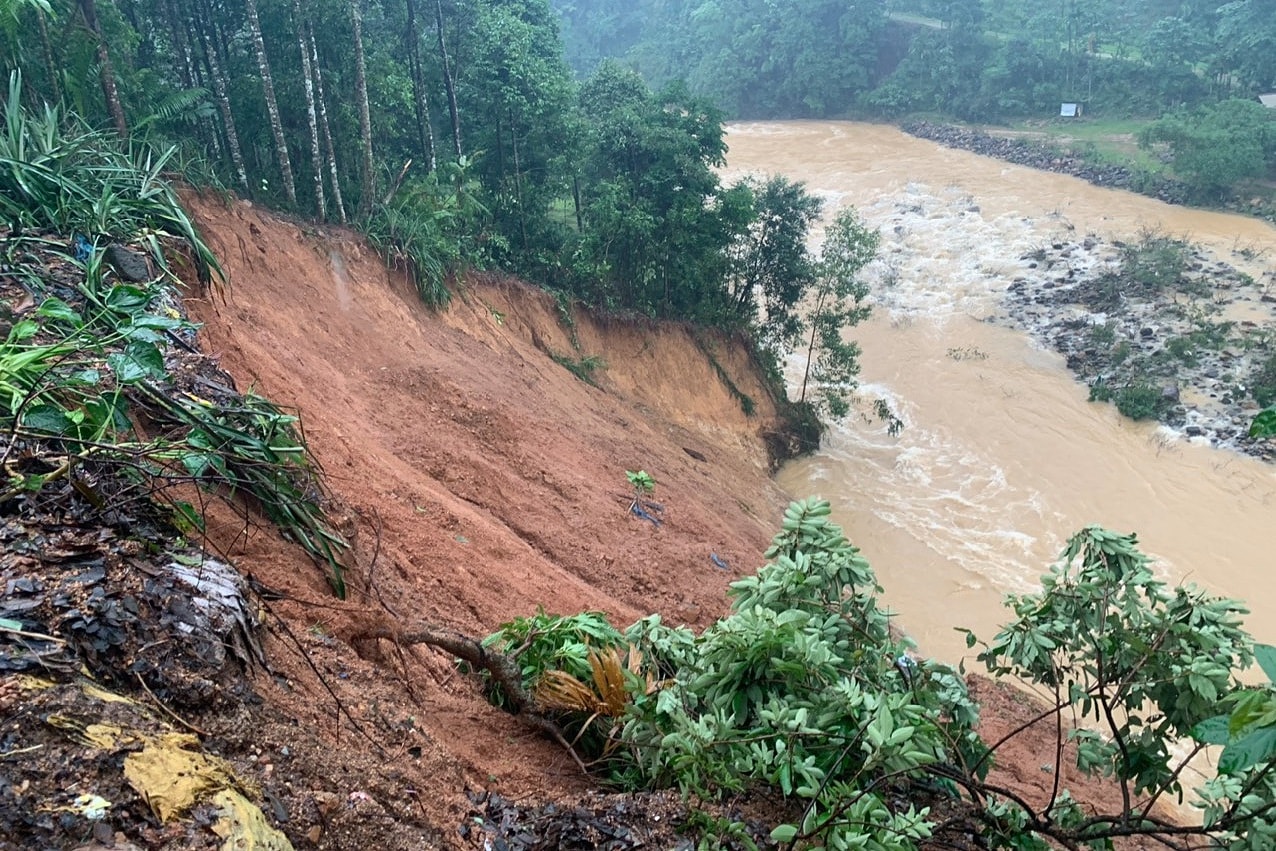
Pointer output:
x,y
479,479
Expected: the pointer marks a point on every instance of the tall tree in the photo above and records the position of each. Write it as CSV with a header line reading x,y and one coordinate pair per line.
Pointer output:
x,y
106,71
771,269
367,173
223,101
657,223
420,101
330,149
832,361
312,122
449,81
272,107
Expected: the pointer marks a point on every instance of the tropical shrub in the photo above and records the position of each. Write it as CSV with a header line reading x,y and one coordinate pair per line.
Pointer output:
x,y
805,690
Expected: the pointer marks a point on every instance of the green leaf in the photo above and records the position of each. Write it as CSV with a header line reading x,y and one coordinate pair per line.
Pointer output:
x,y
84,377
1212,731
159,323
24,330
138,361
187,519
1248,750
1264,424
126,299
784,833
145,335
46,419
1265,655
196,463
107,414
57,309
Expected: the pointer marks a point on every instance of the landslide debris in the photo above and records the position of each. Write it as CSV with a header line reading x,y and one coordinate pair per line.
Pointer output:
x,y
115,624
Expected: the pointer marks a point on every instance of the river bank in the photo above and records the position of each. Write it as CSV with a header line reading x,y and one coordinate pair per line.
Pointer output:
x,y
1060,157
1165,329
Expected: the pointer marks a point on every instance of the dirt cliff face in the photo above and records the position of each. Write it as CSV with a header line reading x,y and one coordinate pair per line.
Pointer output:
x,y
479,479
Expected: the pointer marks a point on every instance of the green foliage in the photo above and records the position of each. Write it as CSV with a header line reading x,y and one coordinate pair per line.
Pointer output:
x,y
1262,382
582,367
1139,400
802,688
1264,424
57,174
547,642
1145,661
656,222
74,377
771,270
839,293
428,230
641,481
1156,263
1217,145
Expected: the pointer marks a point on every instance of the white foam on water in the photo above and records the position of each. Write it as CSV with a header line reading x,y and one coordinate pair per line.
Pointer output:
x,y
927,483
939,259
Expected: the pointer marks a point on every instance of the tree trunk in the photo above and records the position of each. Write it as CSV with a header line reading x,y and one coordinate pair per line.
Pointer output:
x,y
367,175
50,66
810,349
518,180
185,67
196,69
308,85
322,102
272,107
223,106
107,72
448,82
425,132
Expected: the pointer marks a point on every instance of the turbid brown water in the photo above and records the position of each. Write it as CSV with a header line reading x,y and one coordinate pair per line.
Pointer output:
x,y
1002,457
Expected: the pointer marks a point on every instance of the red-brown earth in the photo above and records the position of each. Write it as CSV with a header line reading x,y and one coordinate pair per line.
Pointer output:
x,y
477,479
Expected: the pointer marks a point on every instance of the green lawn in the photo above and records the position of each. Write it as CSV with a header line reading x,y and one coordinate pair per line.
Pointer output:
x,y
1109,140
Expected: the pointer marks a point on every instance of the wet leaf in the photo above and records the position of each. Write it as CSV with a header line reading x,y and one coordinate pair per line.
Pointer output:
x,y
56,309
46,419
138,361
1248,750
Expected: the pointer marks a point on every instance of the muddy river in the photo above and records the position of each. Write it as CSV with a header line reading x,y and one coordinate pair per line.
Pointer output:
x,y
1002,457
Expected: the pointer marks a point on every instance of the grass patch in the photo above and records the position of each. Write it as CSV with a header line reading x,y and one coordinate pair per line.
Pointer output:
x,y
582,367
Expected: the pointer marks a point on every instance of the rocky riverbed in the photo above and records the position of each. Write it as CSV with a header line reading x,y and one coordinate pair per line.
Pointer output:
x,y
1162,328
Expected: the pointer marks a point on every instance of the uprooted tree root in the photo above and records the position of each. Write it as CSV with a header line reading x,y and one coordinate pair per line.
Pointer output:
x,y
502,669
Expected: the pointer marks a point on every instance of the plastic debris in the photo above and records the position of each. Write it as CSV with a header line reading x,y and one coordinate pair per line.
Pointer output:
x,y
718,562
243,826
92,807
639,511
171,778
